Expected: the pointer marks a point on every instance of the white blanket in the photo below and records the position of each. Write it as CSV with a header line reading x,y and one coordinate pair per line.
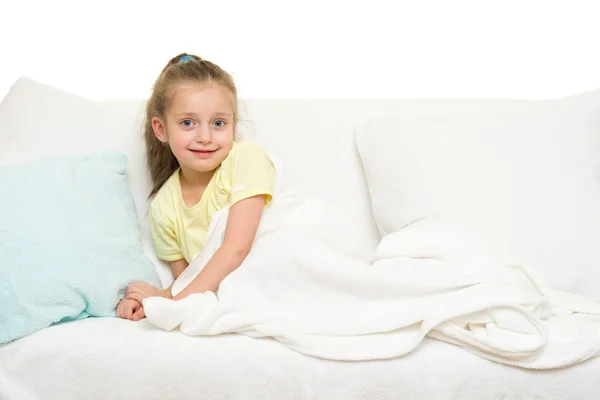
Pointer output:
x,y
303,285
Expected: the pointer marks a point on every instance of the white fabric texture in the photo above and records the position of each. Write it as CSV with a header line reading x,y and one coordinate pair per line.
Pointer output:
x,y
526,181
122,360
303,285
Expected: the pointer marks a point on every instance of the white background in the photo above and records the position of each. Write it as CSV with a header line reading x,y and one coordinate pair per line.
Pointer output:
x,y
309,49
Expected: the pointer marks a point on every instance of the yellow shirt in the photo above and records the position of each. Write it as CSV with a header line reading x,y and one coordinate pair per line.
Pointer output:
x,y
179,231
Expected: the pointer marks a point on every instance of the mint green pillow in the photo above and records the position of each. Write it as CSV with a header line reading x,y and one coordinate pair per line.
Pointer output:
x,y
69,241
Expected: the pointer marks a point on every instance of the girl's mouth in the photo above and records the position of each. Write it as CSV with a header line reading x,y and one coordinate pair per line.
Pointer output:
x,y
202,153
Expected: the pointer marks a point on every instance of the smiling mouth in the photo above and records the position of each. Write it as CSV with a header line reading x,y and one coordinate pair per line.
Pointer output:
x,y
202,151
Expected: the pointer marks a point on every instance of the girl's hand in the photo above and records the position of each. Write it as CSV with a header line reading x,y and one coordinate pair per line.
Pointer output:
x,y
139,291
130,309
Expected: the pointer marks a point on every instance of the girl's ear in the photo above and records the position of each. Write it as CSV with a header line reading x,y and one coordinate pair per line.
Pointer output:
x,y
159,129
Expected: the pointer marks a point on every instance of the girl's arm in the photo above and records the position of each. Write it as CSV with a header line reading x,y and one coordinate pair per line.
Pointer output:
x,y
177,268
242,224
140,290
240,231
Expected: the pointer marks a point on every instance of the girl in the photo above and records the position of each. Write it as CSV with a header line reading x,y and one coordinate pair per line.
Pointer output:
x,y
199,167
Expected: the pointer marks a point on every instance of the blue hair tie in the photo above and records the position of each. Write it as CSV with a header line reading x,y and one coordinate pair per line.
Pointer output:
x,y
186,58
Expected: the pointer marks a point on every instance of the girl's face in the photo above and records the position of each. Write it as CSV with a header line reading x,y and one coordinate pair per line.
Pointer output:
x,y
199,126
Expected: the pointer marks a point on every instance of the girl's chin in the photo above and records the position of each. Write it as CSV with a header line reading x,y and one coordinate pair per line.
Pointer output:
x,y
201,167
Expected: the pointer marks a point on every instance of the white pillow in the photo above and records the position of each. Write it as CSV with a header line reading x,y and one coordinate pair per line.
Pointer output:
x,y
527,180
37,120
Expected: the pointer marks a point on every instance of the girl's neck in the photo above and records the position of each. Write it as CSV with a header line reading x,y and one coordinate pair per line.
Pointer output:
x,y
193,178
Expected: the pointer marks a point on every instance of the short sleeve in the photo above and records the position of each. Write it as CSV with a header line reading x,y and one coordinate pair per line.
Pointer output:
x,y
253,173
165,240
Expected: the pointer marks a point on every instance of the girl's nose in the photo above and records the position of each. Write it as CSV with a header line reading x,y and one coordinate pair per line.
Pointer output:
x,y
203,134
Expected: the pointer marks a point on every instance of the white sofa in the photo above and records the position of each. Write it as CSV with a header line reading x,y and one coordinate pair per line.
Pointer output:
x,y
317,141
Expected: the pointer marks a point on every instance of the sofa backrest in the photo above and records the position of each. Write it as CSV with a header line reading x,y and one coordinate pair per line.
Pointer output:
x,y
313,139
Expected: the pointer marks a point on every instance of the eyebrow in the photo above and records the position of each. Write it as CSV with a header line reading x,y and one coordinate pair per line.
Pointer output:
x,y
193,114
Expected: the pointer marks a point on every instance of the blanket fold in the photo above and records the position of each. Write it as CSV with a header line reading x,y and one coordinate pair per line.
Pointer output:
x,y
305,285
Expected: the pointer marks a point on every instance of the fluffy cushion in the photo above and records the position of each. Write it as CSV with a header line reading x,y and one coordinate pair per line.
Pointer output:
x,y
69,241
526,181
37,120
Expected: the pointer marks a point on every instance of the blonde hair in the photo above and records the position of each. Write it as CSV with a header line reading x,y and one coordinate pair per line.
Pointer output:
x,y
183,67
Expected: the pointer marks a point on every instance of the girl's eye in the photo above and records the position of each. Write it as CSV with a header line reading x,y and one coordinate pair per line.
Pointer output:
x,y
187,123
219,123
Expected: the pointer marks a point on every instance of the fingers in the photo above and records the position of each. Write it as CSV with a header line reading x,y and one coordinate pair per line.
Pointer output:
x,y
138,287
129,311
133,288
136,305
128,307
136,296
139,314
120,309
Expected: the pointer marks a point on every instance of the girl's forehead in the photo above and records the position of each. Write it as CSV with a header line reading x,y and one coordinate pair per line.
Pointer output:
x,y
209,97
191,86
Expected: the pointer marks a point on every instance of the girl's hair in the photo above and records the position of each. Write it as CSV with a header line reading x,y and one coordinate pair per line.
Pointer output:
x,y
181,68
